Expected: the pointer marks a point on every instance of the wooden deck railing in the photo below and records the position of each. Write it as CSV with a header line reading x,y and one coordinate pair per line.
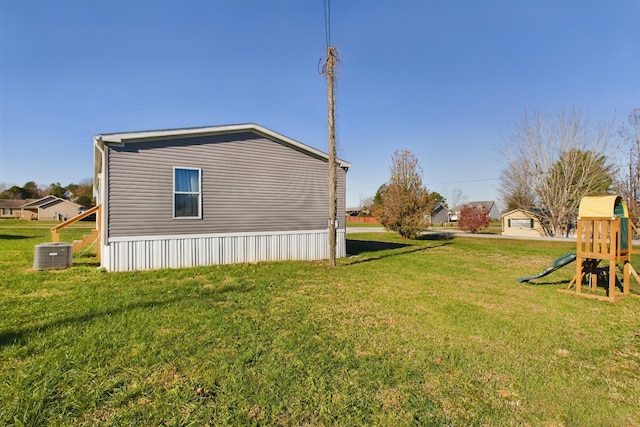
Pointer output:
x,y
55,231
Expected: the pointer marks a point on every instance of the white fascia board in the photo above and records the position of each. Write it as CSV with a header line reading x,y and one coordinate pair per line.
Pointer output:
x,y
122,138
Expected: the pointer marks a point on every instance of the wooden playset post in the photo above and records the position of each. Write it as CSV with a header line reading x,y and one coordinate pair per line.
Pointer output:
x,y
602,237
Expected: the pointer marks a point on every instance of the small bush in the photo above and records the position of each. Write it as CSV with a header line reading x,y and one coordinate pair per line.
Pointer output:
x,y
473,219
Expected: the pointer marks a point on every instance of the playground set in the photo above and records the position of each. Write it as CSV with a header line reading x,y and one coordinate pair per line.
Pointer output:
x,y
604,233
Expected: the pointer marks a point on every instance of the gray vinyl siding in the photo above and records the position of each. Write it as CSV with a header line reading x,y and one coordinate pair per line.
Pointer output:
x,y
249,184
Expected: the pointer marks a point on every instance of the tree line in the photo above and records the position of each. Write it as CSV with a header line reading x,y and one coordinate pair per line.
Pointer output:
x,y
81,193
550,162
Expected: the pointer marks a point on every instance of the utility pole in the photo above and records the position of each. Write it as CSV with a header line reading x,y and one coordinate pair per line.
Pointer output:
x,y
329,69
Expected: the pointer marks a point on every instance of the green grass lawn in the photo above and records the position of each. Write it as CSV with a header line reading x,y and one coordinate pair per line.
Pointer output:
x,y
427,332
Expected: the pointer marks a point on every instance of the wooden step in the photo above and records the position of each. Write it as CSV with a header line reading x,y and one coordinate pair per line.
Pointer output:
x,y
86,240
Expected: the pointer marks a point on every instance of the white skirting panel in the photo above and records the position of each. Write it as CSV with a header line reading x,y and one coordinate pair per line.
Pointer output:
x,y
155,252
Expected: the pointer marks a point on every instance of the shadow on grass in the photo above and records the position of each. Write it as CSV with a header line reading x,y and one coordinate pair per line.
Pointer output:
x,y
357,247
86,263
545,283
15,237
85,260
437,236
9,337
601,281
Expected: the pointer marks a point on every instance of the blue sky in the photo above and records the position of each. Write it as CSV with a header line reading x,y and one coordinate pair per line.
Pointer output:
x,y
444,79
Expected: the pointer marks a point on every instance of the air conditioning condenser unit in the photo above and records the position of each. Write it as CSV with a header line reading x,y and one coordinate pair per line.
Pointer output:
x,y
52,256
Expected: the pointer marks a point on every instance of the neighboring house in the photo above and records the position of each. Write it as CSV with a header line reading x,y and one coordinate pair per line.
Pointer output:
x,y
50,208
489,206
440,214
521,222
352,211
12,208
212,195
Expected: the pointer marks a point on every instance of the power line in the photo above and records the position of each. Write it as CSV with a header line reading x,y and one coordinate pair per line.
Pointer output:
x,y
327,22
462,182
435,183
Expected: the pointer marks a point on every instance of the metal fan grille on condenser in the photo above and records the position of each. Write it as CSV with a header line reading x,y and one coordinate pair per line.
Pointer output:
x,y
52,256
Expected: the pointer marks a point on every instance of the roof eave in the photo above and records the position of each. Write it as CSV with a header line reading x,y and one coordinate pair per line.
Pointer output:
x,y
125,137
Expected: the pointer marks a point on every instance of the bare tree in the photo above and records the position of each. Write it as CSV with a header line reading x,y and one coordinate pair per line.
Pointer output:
x,y
457,198
514,195
403,205
365,206
551,161
628,179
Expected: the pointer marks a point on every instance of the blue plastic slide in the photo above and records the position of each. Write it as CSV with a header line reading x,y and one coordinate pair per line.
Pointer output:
x,y
565,259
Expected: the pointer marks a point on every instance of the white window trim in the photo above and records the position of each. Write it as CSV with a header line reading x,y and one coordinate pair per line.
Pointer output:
x,y
174,192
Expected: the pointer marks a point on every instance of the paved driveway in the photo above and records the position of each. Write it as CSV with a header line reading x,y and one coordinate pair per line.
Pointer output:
x,y
366,230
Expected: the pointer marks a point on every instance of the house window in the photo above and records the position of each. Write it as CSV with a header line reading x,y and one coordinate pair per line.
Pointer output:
x,y
521,223
186,193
